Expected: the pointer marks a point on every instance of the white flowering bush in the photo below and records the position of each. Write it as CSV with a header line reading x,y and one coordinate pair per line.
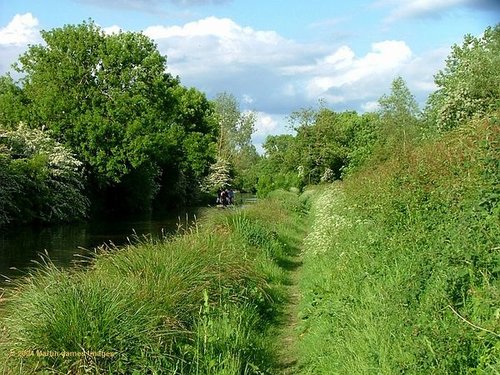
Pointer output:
x,y
219,176
469,85
42,180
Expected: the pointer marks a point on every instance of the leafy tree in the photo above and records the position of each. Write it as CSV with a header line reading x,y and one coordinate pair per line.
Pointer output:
x,y
279,167
469,84
12,102
103,95
234,143
400,106
323,141
110,99
363,143
319,152
186,165
399,116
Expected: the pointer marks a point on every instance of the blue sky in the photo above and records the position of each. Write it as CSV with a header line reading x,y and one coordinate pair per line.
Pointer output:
x,y
275,56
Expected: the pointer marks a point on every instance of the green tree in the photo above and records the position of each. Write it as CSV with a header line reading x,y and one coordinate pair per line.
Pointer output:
x,y
12,102
103,95
399,115
469,84
185,167
278,168
324,144
110,99
363,143
234,141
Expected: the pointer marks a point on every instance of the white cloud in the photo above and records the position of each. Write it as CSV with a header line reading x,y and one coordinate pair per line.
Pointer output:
x,y
370,106
265,124
22,29
278,75
340,74
14,39
115,29
217,41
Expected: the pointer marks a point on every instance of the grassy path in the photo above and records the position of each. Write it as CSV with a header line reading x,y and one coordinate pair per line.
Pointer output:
x,y
287,334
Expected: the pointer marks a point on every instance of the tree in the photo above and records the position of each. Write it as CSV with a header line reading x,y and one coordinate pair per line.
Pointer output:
x,y
319,152
103,95
400,106
399,116
12,102
469,85
278,168
234,140
110,99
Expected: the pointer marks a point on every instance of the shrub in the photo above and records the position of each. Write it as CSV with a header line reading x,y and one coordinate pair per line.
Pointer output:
x,y
401,267
43,180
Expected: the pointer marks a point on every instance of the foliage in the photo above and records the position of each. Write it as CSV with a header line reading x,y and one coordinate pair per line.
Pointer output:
x,y
199,303
399,115
364,142
12,102
275,169
469,85
401,267
41,179
110,99
322,148
235,128
234,143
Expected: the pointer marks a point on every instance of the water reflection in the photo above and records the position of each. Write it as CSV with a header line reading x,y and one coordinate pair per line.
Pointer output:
x,y
19,246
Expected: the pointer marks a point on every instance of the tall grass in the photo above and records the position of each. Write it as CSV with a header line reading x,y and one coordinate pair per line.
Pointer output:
x,y
199,303
402,267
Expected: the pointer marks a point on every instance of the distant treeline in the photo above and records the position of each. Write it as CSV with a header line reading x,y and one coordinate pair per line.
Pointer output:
x,y
329,145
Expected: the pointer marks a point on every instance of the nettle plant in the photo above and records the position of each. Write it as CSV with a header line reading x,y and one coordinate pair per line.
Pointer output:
x,y
44,181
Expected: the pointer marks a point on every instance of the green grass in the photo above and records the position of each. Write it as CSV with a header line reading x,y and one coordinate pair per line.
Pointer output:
x,y
198,303
402,267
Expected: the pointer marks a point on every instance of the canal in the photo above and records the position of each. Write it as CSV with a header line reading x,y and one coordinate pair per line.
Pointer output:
x,y
20,246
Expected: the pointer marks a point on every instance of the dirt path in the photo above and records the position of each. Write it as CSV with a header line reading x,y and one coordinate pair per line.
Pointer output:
x,y
288,334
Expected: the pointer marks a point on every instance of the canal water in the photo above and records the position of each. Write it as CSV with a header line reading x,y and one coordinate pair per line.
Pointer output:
x,y
20,246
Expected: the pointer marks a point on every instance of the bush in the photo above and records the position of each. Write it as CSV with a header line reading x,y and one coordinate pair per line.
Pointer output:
x,y
401,267
43,180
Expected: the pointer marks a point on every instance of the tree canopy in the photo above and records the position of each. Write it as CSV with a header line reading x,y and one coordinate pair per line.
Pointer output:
x,y
110,99
235,154
469,85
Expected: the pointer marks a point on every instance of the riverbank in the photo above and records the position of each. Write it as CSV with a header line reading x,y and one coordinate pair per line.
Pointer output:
x,y
401,266
198,303
20,245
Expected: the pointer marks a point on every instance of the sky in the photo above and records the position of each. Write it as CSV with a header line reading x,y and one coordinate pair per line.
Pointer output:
x,y
275,56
